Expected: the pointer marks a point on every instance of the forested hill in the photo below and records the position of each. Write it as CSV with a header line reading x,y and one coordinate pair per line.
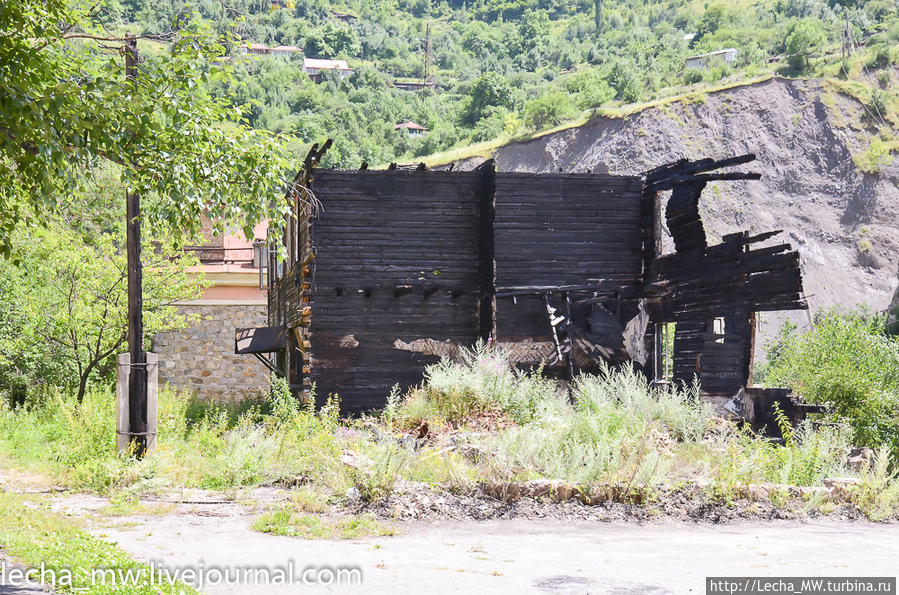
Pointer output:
x,y
507,68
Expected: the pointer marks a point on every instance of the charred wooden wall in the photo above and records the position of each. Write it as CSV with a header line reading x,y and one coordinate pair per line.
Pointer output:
x,y
409,265
729,281
398,259
563,230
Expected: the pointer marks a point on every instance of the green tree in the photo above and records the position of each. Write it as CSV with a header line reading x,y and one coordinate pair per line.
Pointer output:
x,y
624,80
846,360
23,358
805,38
72,300
332,40
549,110
597,16
713,18
489,91
65,107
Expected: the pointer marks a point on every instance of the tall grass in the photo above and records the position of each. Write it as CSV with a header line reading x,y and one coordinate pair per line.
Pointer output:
x,y
609,428
481,382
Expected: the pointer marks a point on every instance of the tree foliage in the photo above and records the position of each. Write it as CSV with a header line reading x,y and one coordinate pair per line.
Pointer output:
x,y
848,361
64,316
490,90
549,110
529,47
805,37
66,108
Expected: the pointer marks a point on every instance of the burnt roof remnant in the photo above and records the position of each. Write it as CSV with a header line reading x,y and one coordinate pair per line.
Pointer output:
x,y
687,180
389,270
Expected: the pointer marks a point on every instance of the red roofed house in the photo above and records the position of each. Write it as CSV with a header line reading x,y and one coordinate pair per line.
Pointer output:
x,y
411,128
254,48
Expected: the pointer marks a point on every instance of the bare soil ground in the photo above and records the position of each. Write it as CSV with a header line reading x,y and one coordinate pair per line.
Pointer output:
x,y
689,504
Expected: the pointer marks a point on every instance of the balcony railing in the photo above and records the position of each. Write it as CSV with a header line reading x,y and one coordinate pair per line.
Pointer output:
x,y
216,255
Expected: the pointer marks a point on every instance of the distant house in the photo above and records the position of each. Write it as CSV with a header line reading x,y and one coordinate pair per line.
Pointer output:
x,y
285,51
412,85
254,48
702,60
411,128
342,16
316,67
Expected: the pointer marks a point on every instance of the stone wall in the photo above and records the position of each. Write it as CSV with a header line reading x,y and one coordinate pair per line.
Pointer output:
x,y
201,357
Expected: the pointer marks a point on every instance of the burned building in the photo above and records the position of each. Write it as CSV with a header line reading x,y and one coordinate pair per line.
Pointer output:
x,y
389,270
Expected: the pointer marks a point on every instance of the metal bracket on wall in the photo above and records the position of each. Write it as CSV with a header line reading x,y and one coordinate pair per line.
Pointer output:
x,y
269,365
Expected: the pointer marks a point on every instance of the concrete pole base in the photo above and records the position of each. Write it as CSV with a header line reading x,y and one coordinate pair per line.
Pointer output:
x,y
123,373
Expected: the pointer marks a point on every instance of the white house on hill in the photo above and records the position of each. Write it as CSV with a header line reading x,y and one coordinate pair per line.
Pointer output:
x,y
315,67
411,128
729,55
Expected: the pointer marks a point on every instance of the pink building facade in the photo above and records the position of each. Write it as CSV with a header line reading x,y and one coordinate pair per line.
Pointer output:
x,y
201,358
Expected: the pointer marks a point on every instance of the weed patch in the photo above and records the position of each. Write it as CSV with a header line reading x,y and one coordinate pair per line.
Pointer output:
x,y
289,522
40,538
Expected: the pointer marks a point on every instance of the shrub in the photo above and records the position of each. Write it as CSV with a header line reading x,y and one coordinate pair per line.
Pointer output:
x,y
589,88
692,76
847,361
621,431
845,68
881,57
625,81
875,158
549,110
481,382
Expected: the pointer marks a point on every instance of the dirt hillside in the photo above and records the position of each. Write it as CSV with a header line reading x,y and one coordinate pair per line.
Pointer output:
x,y
844,222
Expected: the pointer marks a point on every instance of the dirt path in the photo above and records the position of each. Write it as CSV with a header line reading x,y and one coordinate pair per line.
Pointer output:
x,y
11,579
515,555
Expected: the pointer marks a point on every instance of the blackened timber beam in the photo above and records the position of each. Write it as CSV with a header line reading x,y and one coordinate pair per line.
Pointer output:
x,y
684,166
671,182
682,215
486,190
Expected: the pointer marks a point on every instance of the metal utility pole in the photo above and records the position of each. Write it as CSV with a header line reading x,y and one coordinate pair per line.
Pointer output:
x,y
137,380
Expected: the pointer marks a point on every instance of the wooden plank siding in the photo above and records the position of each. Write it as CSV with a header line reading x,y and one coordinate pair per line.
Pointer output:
x,y
563,229
397,258
394,267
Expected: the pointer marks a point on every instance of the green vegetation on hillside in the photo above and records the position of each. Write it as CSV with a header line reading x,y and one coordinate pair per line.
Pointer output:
x,y
506,68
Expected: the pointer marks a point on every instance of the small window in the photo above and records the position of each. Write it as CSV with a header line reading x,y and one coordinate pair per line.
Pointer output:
x,y
667,371
718,329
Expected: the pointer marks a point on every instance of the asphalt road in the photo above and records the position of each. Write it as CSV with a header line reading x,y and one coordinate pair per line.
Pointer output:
x,y
518,556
